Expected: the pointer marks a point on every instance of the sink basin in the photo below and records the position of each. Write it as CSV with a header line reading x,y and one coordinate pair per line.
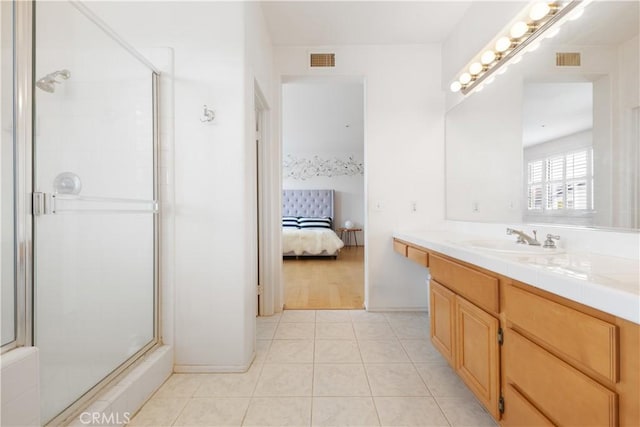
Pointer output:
x,y
510,247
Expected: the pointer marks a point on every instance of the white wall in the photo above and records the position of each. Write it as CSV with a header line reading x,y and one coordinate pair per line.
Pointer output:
x,y
214,235
627,174
484,154
326,119
403,151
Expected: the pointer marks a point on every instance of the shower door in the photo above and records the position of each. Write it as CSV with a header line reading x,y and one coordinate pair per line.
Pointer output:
x,y
95,222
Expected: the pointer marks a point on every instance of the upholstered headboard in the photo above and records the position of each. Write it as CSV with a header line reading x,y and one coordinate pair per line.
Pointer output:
x,y
310,203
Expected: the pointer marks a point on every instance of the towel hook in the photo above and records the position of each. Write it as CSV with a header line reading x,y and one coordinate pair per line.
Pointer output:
x,y
207,115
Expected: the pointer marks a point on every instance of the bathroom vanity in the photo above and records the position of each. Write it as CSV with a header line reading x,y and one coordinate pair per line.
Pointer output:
x,y
540,338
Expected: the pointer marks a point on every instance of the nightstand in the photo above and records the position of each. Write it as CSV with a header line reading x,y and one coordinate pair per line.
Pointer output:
x,y
347,233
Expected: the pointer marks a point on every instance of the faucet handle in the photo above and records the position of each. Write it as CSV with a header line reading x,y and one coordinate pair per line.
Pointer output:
x,y
549,243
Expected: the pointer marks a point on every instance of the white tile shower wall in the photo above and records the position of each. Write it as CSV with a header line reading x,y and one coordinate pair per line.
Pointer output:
x,y
404,148
94,299
20,387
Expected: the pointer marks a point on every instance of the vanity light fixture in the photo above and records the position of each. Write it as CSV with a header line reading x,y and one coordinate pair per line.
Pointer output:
x,y
503,44
465,78
475,68
488,57
519,29
540,17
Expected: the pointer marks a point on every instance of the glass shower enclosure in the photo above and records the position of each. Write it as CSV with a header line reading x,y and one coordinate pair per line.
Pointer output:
x,y
95,218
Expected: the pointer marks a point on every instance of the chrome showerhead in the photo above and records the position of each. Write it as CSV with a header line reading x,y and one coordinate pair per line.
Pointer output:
x,y
45,85
47,82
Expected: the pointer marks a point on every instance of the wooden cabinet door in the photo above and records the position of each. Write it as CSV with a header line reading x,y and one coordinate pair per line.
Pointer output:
x,y
477,353
519,412
565,395
442,306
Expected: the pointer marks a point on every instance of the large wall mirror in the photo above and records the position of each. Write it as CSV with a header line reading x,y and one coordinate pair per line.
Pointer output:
x,y
571,133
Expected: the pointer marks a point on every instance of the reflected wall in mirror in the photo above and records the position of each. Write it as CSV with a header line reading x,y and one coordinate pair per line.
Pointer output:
x,y
550,143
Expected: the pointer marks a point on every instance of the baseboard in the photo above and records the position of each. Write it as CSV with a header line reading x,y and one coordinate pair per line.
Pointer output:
x,y
213,369
380,309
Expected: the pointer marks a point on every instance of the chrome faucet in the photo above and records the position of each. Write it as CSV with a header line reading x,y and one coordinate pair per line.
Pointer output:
x,y
524,237
549,243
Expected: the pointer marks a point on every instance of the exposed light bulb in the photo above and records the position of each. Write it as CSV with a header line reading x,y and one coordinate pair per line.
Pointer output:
x,y
577,13
465,78
475,68
539,11
519,29
503,44
488,57
455,86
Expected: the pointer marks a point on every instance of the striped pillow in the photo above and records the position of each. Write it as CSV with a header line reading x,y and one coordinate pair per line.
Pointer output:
x,y
304,222
290,222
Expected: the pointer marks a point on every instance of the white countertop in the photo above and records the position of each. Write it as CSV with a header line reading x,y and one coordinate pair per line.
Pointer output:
x,y
607,283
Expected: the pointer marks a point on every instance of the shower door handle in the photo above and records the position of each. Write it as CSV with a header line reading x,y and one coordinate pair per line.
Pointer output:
x,y
52,203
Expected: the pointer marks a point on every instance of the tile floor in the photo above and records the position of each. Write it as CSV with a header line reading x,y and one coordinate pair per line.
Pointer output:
x,y
326,368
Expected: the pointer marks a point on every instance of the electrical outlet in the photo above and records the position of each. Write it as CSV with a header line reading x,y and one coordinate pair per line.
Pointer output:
x,y
378,205
475,206
414,206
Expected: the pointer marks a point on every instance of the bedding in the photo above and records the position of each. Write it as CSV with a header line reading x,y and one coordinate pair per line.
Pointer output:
x,y
310,241
307,223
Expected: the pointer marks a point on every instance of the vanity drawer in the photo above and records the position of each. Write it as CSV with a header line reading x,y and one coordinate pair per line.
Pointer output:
x,y
583,340
418,255
473,285
564,394
519,412
400,247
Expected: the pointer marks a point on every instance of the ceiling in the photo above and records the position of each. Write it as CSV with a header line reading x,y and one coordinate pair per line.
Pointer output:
x,y
317,23
554,110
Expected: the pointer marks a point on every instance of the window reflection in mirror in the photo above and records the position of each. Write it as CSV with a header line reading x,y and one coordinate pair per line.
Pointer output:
x,y
575,128
557,138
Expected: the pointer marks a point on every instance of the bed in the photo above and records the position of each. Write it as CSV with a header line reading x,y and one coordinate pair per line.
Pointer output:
x,y
307,224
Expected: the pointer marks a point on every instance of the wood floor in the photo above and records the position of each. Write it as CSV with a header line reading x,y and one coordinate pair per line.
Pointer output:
x,y
317,283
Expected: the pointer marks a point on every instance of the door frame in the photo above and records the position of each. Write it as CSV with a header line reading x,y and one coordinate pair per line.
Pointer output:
x,y
362,79
269,196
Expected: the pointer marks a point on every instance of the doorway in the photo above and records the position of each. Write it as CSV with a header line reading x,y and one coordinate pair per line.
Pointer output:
x,y
323,150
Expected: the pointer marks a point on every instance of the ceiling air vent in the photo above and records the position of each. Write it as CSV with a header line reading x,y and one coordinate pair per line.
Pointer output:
x,y
323,60
568,59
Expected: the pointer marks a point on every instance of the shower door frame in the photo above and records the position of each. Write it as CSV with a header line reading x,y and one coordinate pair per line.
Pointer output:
x,y
24,106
